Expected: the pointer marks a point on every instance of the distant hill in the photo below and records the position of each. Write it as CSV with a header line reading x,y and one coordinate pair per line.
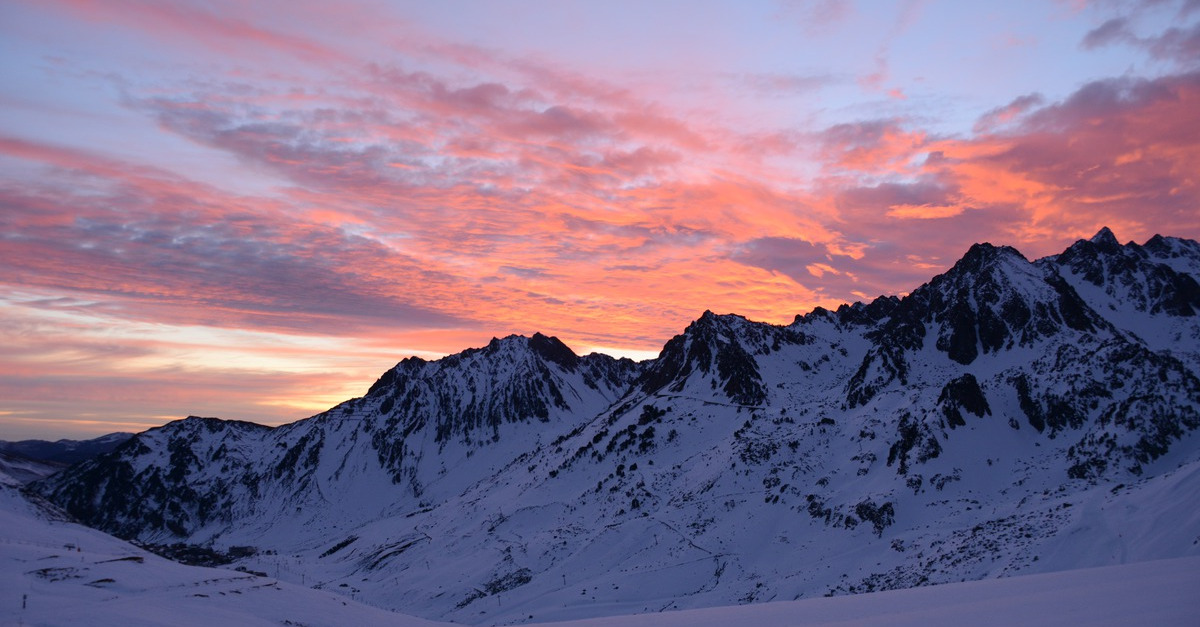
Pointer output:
x,y
16,470
65,451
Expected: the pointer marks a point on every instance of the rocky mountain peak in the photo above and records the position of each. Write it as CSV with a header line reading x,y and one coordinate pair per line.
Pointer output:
x,y
868,313
990,301
1155,278
501,357
719,349
986,264
553,350
407,367
1104,238
1095,258
1169,249
200,425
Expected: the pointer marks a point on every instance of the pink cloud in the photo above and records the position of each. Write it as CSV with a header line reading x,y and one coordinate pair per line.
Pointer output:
x,y
191,254
874,146
1001,116
173,22
815,16
1120,152
1179,43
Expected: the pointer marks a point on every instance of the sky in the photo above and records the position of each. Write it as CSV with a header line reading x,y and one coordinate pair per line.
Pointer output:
x,y
252,210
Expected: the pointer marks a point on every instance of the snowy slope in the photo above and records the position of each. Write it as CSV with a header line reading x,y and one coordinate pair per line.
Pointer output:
x,y
65,574
18,470
1164,593
1004,418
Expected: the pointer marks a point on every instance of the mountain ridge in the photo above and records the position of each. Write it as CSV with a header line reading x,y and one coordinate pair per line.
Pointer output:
x,y
64,451
939,436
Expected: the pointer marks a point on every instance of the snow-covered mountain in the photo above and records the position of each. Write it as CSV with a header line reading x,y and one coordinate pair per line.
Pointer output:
x,y
1007,417
25,461
64,452
16,470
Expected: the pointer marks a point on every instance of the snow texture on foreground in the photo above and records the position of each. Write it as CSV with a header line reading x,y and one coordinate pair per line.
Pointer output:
x,y
71,575
1163,593
67,574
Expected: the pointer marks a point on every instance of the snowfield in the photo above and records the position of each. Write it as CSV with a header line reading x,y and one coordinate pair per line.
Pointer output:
x,y
1162,593
71,575
67,574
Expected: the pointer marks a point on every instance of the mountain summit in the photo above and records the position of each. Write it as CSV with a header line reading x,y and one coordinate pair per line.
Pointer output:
x,y
1009,416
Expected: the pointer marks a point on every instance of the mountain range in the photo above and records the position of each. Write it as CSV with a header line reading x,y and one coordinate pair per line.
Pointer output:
x,y
64,452
1007,417
25,461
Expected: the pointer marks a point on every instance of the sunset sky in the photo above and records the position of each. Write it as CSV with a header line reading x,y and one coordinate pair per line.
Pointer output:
x,y
252,209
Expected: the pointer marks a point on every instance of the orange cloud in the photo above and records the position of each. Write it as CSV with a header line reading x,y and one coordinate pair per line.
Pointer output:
x,y
924,212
